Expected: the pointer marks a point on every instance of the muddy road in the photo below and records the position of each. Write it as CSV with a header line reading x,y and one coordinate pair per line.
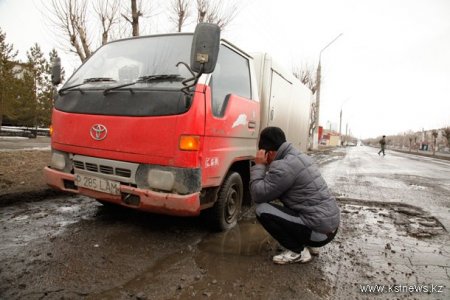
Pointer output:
x,y
74,248
398,177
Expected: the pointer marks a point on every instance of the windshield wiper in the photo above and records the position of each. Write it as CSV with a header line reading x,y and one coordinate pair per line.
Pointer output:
x,y
158,77
149,78
87,80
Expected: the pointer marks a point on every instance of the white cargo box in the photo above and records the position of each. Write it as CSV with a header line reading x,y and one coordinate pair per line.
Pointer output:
x,y
285,101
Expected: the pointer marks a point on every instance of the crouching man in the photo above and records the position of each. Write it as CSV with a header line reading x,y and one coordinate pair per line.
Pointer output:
x,y
309,216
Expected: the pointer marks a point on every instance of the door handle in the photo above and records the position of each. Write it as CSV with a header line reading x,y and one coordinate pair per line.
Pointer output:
x,y
251,124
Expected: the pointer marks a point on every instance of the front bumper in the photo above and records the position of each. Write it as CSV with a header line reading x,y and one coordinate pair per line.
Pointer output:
x,y
147,200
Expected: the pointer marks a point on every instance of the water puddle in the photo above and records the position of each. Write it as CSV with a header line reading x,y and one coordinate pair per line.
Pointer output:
x,y
245,239
40,220
20,218
69,209
417,187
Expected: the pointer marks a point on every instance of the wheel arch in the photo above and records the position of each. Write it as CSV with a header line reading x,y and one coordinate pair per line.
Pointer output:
x,y
243,168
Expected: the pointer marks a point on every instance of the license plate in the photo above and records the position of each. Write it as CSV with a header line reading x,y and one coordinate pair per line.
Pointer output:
x,y
97,184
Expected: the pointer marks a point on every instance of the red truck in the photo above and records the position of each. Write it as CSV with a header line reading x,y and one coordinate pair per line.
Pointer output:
x,y
137,126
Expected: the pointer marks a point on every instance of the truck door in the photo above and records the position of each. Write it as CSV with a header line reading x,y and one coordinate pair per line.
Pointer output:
x,y
232,117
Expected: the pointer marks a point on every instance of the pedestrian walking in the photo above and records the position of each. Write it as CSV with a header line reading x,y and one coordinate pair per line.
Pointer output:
x,y
382,145
308,215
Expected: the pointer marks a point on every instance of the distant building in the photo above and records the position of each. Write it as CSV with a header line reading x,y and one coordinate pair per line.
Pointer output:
x,y
426,141
330,138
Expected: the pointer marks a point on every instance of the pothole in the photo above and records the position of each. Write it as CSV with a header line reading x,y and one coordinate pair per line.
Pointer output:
x,y
417,187
245,239
409,219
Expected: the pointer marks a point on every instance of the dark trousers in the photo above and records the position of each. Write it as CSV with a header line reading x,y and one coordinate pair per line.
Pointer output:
x,y
288,229
381,150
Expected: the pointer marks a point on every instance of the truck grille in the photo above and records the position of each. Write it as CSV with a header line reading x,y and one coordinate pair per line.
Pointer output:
x,y
123,172
92,167
109,170
78,164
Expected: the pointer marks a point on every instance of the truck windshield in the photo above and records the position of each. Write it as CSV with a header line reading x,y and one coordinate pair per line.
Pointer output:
x,y
127,61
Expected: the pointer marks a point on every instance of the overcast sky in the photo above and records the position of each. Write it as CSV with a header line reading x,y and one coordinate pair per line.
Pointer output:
x,y
389,71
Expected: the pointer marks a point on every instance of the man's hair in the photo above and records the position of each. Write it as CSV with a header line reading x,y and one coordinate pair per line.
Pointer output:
x,y
271,138
384,136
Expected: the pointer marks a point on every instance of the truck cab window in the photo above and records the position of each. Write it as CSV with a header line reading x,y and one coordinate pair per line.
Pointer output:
x,y
231,76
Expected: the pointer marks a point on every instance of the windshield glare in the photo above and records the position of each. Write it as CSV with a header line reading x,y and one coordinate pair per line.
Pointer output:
x,y
125,61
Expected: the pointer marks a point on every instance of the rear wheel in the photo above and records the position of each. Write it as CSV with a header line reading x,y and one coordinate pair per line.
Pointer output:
x,y
224,214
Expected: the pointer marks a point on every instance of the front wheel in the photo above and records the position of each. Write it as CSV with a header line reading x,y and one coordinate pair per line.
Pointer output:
x,y
224,214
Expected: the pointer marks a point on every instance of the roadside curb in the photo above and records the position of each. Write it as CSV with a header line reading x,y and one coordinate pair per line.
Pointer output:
x,y
437,156
31,196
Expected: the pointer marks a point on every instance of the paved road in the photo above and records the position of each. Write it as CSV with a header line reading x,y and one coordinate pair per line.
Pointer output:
x,y
397,177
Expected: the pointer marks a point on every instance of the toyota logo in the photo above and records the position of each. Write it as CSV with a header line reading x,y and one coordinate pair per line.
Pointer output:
x,y
98,132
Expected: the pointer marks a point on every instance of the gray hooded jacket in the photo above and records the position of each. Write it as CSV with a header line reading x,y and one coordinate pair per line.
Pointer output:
x,y
294,179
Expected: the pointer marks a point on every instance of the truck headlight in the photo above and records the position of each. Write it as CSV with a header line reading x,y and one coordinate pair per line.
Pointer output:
x,y
58,161
161,180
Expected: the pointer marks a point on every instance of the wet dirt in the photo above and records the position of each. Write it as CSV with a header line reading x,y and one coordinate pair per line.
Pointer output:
x,y
382,247
74,248
77,249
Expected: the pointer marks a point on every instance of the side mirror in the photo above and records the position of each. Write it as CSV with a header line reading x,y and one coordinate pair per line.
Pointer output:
x,y
205,48
56,71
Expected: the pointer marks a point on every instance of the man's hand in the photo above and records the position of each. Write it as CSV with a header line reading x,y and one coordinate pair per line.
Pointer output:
x,y
261,157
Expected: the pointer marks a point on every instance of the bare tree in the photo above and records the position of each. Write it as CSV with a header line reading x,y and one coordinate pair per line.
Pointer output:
x,y
107,12
179,12
446,134
415,142
410,135
434,133
214,11
69,17
136,13
202,9
307,75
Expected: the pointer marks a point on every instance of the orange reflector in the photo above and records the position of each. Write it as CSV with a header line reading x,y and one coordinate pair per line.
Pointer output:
x,y
189,142
51,130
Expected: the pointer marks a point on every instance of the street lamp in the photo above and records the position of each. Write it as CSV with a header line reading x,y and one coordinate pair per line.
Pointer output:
x,y
318,78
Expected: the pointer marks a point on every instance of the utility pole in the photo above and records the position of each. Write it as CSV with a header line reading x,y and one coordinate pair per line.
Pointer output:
x,y
340,125
340,122
316,126
318,80
346,132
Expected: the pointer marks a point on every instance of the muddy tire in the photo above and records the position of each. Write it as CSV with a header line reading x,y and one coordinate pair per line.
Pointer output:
x,y
225,212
